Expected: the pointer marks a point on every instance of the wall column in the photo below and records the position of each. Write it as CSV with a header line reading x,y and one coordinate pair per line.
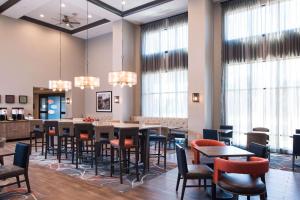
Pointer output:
x,y
200,15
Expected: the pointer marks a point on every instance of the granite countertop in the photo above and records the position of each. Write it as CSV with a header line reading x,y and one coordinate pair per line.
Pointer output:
x,y
12,121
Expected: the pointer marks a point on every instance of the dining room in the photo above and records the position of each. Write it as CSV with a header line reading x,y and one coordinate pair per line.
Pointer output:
x,y
149,99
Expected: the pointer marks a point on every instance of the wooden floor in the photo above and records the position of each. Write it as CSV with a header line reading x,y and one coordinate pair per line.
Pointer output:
x,y
50,185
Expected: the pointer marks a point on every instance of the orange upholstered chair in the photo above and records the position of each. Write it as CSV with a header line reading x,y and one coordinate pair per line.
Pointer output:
x,y
241,177
202,142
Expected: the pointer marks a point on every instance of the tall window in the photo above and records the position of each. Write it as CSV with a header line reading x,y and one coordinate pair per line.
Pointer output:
x,y
262,68
164,68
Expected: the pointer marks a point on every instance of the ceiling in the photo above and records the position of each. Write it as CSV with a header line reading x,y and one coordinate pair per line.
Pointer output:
x,y
102,13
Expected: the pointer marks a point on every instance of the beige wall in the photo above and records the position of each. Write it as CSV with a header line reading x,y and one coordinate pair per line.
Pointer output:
x,y
217,69
100,64
200,65
29,57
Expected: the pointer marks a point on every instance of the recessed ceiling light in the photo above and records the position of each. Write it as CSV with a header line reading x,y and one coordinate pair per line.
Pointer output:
x,y
63,5
123,2
42,15
90,16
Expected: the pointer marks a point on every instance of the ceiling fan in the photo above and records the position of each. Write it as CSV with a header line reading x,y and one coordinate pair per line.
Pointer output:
x,y
69,21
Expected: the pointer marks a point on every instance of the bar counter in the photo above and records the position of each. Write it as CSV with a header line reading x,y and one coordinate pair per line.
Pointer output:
x,y
12,130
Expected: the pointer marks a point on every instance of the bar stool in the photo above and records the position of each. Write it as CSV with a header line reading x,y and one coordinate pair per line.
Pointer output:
x,y
37,132
103,136
66,135
128,139
161,139
51,130
84,133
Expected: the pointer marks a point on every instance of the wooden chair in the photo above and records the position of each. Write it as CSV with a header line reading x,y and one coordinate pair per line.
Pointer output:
x,y
296,148
51,131
103,136
190,172
19,166
37,132
210,134
227,138
66,137
84,134
261,129
128,140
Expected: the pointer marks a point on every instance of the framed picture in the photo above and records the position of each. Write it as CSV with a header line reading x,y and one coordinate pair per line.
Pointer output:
x,y
23,99
104,101
9,98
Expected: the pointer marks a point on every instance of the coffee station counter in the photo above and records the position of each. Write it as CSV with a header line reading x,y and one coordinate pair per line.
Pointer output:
x,y
14,129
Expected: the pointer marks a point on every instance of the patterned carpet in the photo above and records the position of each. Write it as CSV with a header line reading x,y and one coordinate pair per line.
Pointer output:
x,y
283,162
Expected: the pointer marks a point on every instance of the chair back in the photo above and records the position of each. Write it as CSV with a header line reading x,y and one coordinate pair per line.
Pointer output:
x,y
296,145
36,125
259,150
261,129
259,138
22,153
210,134
106,132
297,131
84,130
66,129
51,127
181,160
128,133
228,127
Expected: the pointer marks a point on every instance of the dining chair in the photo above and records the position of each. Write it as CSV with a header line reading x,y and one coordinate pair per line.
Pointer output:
x,y
66,137
103,136
296,148
128,140
210,134
241,177
297,131
51,132
37,132
84,135
19,166
227,138
261,129
190,172
259,150
203,143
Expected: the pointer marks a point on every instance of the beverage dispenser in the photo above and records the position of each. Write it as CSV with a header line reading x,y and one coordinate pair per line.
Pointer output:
x,y
17,113
3,114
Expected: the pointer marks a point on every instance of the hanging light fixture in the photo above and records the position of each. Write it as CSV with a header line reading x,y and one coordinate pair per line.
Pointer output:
x,y
60,85
87,81
122,78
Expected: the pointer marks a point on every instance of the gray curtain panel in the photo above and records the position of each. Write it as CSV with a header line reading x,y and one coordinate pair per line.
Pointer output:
x,y
162,54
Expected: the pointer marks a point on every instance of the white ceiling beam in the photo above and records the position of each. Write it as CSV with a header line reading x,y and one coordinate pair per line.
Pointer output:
x,y
23,7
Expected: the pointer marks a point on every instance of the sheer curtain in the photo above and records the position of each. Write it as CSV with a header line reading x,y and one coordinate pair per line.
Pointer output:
x,y
261,72
164,68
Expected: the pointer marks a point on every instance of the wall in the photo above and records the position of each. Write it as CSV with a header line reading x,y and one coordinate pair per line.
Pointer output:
x,y
29,57
200,65
217,65
100,64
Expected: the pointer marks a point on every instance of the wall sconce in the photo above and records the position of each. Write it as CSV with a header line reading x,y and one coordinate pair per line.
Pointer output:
x,y
68,100
116,99
196,97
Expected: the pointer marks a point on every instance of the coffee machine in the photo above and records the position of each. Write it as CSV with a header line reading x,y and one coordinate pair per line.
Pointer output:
x,y
3,114
17,113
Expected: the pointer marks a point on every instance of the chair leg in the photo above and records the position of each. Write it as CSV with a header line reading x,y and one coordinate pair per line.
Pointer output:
x,y
27,182
18,181
96,158
205,184
178,181
183,188
77,152
213,191
59,148
112,160
47,146
165,154
121,165
137,163
35,143
43,143
263,179
158,156
73,148
262,197
293,163
248,197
